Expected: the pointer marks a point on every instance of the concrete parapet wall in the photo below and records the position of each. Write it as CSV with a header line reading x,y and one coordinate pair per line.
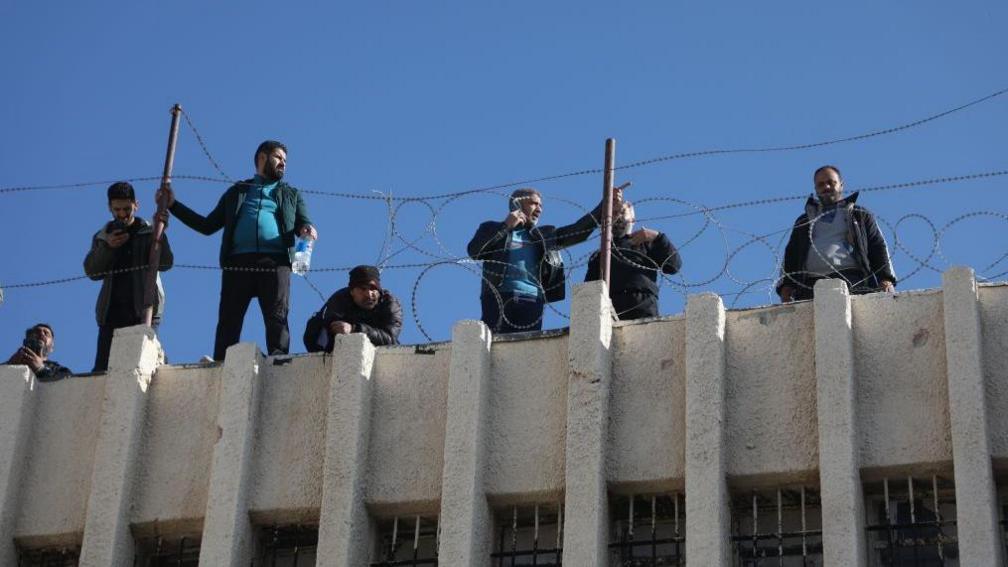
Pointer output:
x,y
641,407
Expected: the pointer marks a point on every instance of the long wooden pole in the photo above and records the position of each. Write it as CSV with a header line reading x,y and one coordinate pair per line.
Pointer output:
x,y
607,209
154,259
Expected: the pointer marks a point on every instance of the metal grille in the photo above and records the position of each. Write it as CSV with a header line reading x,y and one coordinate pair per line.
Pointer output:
x,y
1003,491
287,546
529,535
648,530
911,522
781,527
161,551
410,540
49,557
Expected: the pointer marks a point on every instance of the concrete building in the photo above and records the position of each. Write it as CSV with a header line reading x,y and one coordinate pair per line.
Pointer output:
x,y
853,431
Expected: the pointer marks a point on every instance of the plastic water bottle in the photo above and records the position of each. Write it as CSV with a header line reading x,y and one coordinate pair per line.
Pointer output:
x,y
302,255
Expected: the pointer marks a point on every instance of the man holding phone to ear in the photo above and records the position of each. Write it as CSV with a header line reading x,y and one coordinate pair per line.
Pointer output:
x,y
522,267
118,254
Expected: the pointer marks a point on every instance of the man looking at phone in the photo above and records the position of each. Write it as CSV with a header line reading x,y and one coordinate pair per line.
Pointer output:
x,y
119,253
522,267
34,353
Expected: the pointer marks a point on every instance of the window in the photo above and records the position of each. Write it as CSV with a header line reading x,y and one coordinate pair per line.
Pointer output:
x,y
911,521
165,551
648,530
407,541
780,527
528,535
49,557
287,546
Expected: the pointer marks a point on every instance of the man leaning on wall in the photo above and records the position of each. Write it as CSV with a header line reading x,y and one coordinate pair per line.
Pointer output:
x,y
39,343
834,238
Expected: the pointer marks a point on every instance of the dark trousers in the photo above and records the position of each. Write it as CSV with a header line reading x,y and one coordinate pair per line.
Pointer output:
x,y
857,283
521,313
267,280
633,304
115,319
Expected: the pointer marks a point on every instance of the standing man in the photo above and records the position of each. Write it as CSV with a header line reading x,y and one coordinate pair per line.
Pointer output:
x,y
845,243
118,257
522,266
39,342
361,307
637,257
260,218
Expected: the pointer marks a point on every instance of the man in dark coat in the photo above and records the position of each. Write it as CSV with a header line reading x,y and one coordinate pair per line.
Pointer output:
x,y
834,238
361,307
636,259
522,266
39,342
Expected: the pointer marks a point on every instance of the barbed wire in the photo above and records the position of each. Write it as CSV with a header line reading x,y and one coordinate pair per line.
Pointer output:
x,y
396,243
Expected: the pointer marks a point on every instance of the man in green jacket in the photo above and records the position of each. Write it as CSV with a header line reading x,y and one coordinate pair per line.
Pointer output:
x,y
260,218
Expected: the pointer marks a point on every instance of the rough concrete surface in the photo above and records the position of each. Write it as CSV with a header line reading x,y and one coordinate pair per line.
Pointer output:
x,y
647,406
994,326
527,414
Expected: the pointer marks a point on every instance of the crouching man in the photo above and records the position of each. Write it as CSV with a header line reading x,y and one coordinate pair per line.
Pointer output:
x,y
34,353
361,307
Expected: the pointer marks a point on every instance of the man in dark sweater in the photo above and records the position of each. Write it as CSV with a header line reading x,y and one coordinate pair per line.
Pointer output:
x,y
362,307
260,217
39,342
118,254
637,257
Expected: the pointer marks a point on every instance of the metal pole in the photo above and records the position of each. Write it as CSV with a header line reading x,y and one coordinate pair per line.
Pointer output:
x,y
154,259
607,209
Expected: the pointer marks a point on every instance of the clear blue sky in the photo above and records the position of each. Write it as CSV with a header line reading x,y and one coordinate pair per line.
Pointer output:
x,y
423,98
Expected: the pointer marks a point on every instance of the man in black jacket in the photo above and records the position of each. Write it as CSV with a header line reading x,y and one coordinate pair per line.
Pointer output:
x,y
522,266
362,307
260,218
637,257
39,342
834,238
118,253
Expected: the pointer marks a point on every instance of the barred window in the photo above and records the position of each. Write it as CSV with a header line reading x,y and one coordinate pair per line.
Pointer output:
x,y
287,546
165,551
528,535
647,530
780,527
49,557
911,521
407,541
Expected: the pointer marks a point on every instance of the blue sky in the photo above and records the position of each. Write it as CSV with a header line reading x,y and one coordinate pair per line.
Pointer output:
x,y
425,98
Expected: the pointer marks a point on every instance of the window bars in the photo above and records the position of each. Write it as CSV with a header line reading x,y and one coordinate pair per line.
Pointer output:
x,y
287,546
407,541
781,527
167,551
529,535
911,522
648,530
49,557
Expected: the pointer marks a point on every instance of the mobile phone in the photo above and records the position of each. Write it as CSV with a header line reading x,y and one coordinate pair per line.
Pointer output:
x,y
34,344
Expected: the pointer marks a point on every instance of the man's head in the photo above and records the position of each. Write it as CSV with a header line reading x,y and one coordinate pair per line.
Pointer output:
x,y
271,160
828,184
529,201
122,202
623,221
40,339
365,286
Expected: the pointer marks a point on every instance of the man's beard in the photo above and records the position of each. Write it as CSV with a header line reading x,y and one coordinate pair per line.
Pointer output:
x,y
273,173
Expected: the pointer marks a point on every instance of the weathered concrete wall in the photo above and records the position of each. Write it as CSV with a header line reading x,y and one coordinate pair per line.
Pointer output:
x,y
756,383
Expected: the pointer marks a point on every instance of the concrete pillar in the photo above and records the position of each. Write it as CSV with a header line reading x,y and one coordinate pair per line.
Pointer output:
x,y
17,408
707,505
343,522
228,540
976,498
465,514
586,521
135,355
843,516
